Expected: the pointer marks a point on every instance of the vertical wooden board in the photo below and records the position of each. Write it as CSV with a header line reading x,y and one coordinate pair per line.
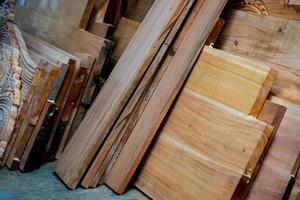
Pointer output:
x,y
122,82
271,113
218,137
295,194
163,96
269,39
274,174
246,81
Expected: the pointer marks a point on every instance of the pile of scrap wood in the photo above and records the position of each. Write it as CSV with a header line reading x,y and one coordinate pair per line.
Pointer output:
x,y
199,102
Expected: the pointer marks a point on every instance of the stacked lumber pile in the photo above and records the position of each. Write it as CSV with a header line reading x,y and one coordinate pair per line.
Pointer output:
x,y
58,81
183,99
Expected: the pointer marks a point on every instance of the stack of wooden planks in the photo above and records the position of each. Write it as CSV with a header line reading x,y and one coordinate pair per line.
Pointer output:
x,y
177,97
58,83
147,77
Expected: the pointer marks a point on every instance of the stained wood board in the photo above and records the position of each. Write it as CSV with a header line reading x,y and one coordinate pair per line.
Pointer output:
x,y
108,104
195,145
164,95
294,2
268,39
271,113
33,114
126,120
275,171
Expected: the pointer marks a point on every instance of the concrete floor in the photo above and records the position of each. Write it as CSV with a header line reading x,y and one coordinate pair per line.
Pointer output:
x,y
42,184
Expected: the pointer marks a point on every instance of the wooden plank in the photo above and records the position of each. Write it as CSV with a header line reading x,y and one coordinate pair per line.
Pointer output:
x,y
295,194
271,113
211,40
74,96
101,29
137,9
215,67
215,138
22,114
275,171
109,103
124,122
122,36
268,39
163,96
27,127
68,38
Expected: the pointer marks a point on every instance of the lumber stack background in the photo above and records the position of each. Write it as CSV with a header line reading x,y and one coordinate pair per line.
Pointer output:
x,y
183,99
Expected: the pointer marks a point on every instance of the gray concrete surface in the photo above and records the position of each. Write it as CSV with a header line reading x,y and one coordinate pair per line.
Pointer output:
x,y
42,184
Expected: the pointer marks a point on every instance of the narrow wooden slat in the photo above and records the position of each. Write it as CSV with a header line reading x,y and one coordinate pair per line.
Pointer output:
x,y
163,96
275,171
271,113
109,103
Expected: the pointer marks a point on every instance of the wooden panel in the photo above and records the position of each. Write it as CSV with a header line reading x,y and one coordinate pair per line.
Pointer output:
x,y
123,34
295,194
268,39
214,68
164,95
271,113
68,38
116,91
274,174
218,138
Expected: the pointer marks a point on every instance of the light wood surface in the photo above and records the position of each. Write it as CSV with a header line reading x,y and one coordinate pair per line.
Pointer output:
x,y
268,39
275,171
116,91
215,67
163,96
200,139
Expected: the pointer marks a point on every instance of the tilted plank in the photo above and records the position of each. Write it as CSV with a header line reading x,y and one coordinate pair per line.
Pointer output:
x,y
116,91
164,95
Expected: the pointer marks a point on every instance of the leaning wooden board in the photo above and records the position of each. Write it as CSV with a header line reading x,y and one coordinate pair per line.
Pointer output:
x,y
274,174
163,96
116,91
202,151
270,39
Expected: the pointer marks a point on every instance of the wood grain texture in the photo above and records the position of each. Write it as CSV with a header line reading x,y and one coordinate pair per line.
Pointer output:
x,y
214,68
216,138
163,96
109,103
275,171
271,113
127,119
22,114
268,39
